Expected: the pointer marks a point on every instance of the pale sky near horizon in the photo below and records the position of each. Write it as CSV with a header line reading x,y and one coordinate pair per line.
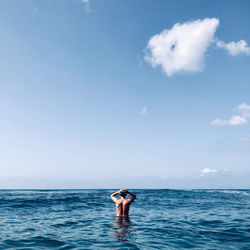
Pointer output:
x,y
124,88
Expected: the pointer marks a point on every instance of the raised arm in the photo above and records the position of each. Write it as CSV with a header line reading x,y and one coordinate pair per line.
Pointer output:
x,y
112,196
133,196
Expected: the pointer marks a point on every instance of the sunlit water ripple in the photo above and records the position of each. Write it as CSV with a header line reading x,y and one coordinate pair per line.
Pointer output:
x,y
159,219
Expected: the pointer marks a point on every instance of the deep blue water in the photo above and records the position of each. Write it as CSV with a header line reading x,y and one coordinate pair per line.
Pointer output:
x,y
159,219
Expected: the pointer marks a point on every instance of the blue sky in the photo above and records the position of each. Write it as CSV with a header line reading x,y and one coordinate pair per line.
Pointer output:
x,y
95,88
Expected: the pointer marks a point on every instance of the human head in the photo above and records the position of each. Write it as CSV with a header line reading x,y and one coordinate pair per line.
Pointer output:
x,y
123,194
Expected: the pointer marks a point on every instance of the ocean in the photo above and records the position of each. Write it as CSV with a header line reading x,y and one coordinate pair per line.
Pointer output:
x,y
159,219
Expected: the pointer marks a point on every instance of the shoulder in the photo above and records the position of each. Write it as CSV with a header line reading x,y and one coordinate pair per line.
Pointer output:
x,y
127,201
131,199
116,200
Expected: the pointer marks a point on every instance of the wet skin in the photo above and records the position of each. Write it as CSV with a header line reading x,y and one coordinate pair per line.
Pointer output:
x,y
122,205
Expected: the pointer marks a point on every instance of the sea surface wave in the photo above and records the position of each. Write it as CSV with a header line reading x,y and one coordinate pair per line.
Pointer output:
x,y
159,219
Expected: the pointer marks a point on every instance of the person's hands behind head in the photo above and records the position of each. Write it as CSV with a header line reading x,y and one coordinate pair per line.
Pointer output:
x,y
123,190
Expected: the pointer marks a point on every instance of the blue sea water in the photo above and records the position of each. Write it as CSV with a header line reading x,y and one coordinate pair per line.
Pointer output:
x,y
159,219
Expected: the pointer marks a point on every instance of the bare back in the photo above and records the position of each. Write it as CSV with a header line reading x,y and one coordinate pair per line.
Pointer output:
x,y
122,207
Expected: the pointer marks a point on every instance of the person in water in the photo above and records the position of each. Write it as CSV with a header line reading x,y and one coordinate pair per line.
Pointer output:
x,y
122,205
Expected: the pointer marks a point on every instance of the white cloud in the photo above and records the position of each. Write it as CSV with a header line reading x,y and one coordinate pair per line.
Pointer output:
x,y
244,106
183,47
233,121
208,171
244,110
86,5
235,48
219,122
237,120
144,111
244,113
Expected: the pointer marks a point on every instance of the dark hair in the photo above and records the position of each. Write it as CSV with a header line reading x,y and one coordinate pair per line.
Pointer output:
x,y
123,194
